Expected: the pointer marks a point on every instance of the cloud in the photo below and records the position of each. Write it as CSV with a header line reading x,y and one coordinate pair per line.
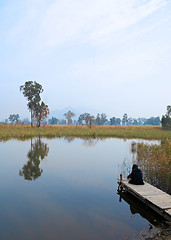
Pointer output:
x,y
91,46
53,23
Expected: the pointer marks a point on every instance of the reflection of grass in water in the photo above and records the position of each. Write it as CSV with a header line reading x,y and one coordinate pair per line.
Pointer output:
x,y
125,168
25,132
155,162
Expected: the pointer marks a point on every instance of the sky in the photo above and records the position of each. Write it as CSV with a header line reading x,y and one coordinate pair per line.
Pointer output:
x,y
112,56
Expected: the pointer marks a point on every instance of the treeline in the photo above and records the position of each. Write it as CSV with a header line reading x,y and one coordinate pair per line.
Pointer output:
x,y
86,119
40,111
101,119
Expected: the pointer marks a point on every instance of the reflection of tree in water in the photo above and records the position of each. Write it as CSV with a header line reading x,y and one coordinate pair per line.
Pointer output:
x,y
39,150
69,139
90,142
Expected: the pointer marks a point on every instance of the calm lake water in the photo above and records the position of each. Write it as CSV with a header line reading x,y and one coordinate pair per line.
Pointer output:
x,y
67,189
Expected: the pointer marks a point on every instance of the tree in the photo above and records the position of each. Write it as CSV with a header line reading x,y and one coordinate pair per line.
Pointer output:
x,y
103,118
115,121
87,118
81,119
14,118
130,121
40,112
53,121
125,119
135,122
166,120
69,116
98,120
31,90
91,120
152,121
169,111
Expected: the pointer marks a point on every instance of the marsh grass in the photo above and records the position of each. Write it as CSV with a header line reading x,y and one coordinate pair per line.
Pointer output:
x,y
155,162
48,131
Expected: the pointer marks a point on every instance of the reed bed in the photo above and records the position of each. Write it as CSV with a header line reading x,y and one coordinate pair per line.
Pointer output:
x,y
50,131
155,162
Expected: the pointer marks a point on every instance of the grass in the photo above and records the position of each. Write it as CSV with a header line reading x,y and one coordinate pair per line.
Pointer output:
x,y
50,131
155,161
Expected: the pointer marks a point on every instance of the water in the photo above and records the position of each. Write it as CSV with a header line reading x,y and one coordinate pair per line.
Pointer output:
x,y
67,189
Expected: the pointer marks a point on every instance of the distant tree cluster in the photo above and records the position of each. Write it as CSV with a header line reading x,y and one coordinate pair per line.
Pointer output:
x,y
166,119
86,119
53,121
13,118
101,119
41,111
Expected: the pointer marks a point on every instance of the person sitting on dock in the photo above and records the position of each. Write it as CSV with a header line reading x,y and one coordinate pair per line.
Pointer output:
x,y
136,176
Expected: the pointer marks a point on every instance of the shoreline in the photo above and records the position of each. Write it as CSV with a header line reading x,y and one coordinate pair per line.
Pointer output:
x,y
22,132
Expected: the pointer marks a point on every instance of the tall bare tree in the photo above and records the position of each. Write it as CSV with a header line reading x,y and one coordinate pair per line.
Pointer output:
x,y
69,116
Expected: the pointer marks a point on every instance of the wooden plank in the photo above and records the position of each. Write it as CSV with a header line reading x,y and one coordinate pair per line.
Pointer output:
x,y
163,206
158,198
168,211
144,188
152,196
155,195
149,193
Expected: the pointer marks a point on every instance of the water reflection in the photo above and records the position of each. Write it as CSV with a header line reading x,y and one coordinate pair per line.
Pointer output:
x,y
137,207
90,142
76,193
69,139
38,151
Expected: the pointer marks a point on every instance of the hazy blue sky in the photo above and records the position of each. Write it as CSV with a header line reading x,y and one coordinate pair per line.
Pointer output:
x,y
109,55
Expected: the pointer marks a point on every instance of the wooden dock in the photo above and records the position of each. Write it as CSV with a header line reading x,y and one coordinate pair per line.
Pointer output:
x,y
153,197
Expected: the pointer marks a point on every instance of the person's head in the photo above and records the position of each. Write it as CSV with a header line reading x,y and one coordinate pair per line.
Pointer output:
x,y
134,167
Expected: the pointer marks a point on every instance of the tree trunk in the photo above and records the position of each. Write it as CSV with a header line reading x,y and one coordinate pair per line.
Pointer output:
x,y
31,118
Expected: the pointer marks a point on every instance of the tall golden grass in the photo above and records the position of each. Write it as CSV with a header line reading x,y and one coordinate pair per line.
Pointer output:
x,y
49,131
155,162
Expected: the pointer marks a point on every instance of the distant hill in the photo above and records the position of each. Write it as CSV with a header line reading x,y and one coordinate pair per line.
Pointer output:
x,y
59,113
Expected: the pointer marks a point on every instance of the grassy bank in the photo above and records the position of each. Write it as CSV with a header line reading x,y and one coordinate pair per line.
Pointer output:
x,y
23,132
155,162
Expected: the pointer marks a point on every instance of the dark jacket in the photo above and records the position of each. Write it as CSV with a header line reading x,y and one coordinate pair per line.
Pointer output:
x,y
136,177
